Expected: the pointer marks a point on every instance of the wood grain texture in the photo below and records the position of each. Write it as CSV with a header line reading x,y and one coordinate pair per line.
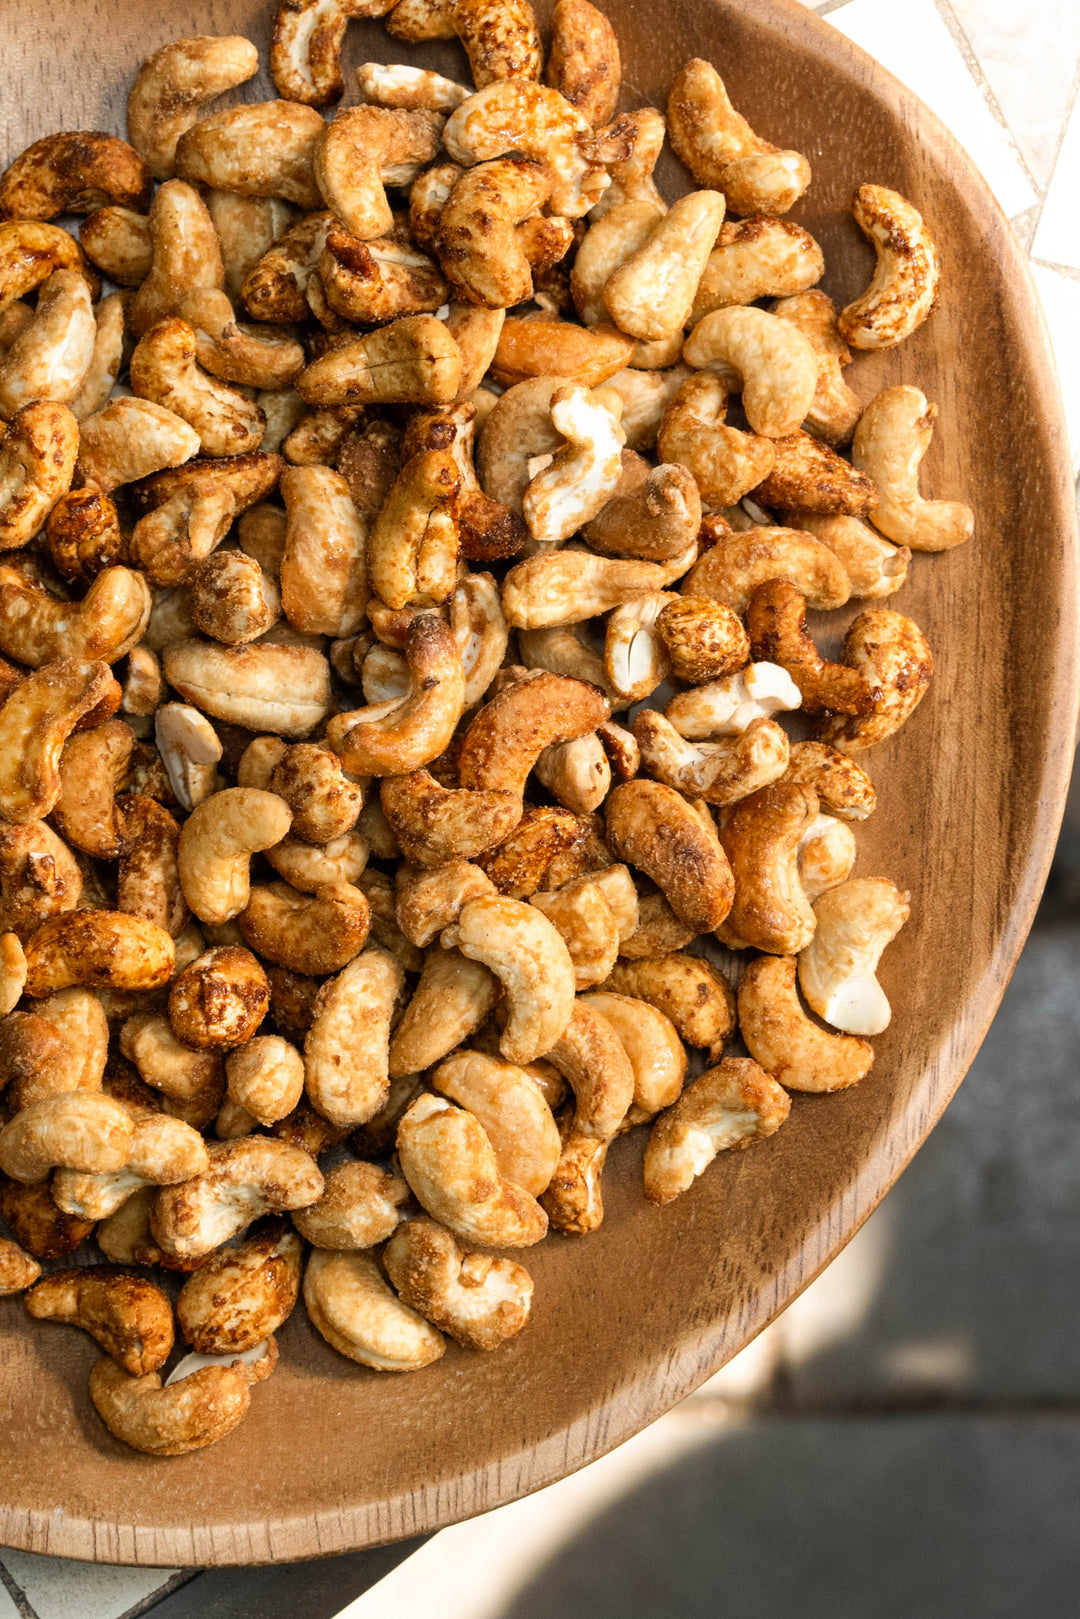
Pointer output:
x,y
628,1321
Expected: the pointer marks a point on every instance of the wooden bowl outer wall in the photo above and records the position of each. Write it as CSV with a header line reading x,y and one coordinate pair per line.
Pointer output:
x,y
333,1457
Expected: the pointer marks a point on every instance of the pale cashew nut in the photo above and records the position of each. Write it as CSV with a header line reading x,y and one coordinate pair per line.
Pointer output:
x,y
35,722
73,172
635,657
346,1051
703,639
836,410
652,828
576,773
187,255
305,52
562,650
718,772
632,171
528,955
248,1178
247,228
776,621
655,1052
842,788
725,462
891,652
172,86
92,766
892,437
856,920
799,1054
323,569
184,1416
39,876
52,356
365,149
733,568
651,294
118,241
264,150
506,737
808,476
452,999
768,360
397,85
264,357
260,686
349,1303
511,1107
395,738
164,1151
451,1166
276,287
758,258
689,992
481,631
360,1207
130,438
581,914
609,242
654,513
904,289
731,1106
76,1130
307,866
265,1077
434,823
761,839
242,1295
308,933
37,460
216,844
874,567
477,1300
190,750
193,1079
163,369
37,629
518,115
413,360
415,541
569,586
826,855
584,471
129,1317
720,149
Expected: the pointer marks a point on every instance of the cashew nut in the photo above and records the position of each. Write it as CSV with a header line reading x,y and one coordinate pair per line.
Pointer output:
x,y
76,1130
891,652
186,255
656,1054
654,513
364,149
108,949
842,788
695,998
789,1045
360,1207
216,844
265,150
73,172
733,568
346,1051
584,63
569,586
507,736
83,535
584,470
856,920
248,1178
758,258
191,1079
163,1152
163,369
188,1415
776,620
703,639
576,773
171,87
652,828
414,360
130,1318
305,52
826,855
435,823
52,356
807,476
219,999
718,772
518,115
452,1168
835,410
891,440
904,289
730,1106
768,360
585,355
725,463
262,687
308,933
37,460
92,766
118,241
650,295
452,999
528,955
39,877
480,236
397,85
720,149
351,1306
37,629
130,438
242,1295
477,1300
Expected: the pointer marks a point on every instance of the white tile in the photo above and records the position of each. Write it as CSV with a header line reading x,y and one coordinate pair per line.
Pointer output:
x,y
58,1589
1028,53
1058,235
1060,296
915,45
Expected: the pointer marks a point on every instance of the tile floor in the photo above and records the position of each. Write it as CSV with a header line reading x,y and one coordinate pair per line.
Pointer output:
x,y
914,1417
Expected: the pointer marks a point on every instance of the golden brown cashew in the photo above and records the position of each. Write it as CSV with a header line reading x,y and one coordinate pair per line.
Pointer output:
x,y
305,52
511,1107
265,150
163,369
632,171
323,574
720,149
523,950
767,359
654,514
523,861
192,1079
607,245
855,921
186,255
216,844
76,1130
826,855
366,282
704,639
761,839
592,1059
172,86
695,998
411,361
73,172
164,1151
651,294
635,659
573,1200
892,654
248,1178
842,788
835,410
733,568
266,1077
108,949
232,599
725,463
364,149
242,1295
758,258
360,1207
92,766
656,1054
452,999
434,823
130,1318
480,240
130,438
106,357
308,865
264,357
477,1300
508,734
719,772
37,460
729,1107
247,228
262,687
219,999
576,773
50,358
36,628
654,829
586,355
12,972
17,1270
83,535
584,64
346,1052
891,440
118,241
874,567
451,1166
30,252
807,476
39,876
35,1221
779,1035
569,586
61,1046
355,1311
517,115
170,1421
308,933
395,738
904,289
776,620
190,749
324,802
428,901
415,541
397,85
35,721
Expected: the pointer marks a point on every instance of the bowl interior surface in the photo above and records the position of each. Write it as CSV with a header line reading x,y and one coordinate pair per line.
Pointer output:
x,y
332,1456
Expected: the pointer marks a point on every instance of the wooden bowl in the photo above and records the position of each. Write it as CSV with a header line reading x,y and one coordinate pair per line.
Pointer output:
x,y
333,1457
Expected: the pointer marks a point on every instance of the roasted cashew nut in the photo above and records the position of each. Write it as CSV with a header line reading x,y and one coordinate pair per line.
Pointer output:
x,y
186,255
730,1106
434,823
73,172
808,476
365,149
842,788
216,844
361,1206
635,658
776,621
349,1303
584,470
416,539
414,360
39,876
826,855
264,150
761,839
452,999
163,369
407,733
477,1300
725,462
92,766
518,115
242,1295
479,237
654,829
323,573
799,1054
569,586
719,772
651,294
891,652
720,149
528,955
129,1317
38,629
855,921
346,1051
247,1178
688,992
69,1130
35,722
904,289
130,438
37,460
398,85
164,1151
892,437
260,686
51,357
305,52
733,568
187,1415
653,515
510,1105
703,639
768,360
506,737
656,1054
758,258
836,409
172,86
451,1166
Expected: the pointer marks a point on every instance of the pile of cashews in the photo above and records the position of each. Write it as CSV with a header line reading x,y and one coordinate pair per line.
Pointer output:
x,y
349,898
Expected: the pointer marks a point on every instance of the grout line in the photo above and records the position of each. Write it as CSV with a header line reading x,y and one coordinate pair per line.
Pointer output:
x,y
15,1592
974,67
1072,107
148,1603
1069,270
830,5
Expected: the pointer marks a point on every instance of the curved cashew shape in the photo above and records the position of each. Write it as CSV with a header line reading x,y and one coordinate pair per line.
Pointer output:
x,y
248,1178
632,173
73,1130
758,258
414,360
609,242
106,357
51,357
584,471
873,566
855,921
73,172
35,722
187,255
654,829
481,631
307,933
767,359
129,1317
365,149
191,1078
131,438
216,844
452,999
375,281
17,1269
719,772
517,115
653,515
730,1106
12,972
117,240
836,410
656,1054
61,1046
789,1045
892,437
581,913
172,87
529,956
826,855
107,949
687,991
477,1300
776,620
241,1296
724,462
39,876
451,1166
305,52
761,839
510,1105
347,1048
733,568
904,289
263,150
36,628
396,85
892,653
651,294
518,430
592,1059
807,476
92,766
586,355
480,244
184,1416
569,586
360,1207
164,1150
266,1078
30,252
416,538
842,788
255,356
351,1306
720,149
507,736
262,687
434,823
397,737
37,460
163,369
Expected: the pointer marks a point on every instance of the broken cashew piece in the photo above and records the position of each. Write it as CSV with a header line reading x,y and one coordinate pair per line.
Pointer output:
x,y
855,921
730,1106
718,772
